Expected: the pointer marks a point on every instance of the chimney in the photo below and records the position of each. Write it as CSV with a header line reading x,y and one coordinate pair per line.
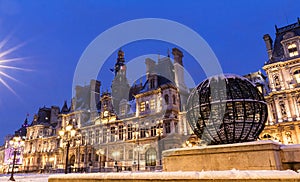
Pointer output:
x,y
177,54
150,65
268,41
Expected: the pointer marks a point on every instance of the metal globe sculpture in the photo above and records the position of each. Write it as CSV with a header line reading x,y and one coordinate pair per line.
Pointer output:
x,y
226,109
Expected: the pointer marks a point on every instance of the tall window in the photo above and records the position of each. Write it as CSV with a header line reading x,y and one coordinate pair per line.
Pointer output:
x,y
130,154
143,132
90,137
82,157
152,83
282,108
112,133
168,127
104,134
151,157
121,132
174,99
129,129
292,48
97,137
153,131
167,99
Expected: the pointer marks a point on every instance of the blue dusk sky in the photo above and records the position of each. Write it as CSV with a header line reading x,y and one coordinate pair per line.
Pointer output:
x,y
50,37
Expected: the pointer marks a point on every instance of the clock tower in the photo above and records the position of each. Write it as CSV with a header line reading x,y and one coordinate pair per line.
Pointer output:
x,y
120,86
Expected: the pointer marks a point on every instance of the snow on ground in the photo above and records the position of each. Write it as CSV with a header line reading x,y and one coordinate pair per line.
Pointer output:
x,y
228,174
26,177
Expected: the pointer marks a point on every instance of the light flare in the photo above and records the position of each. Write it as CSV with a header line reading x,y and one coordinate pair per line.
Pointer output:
x,y
5,63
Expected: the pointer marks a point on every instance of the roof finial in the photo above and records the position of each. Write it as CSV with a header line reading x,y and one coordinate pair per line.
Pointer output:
x,y
168,52
276,28
298,20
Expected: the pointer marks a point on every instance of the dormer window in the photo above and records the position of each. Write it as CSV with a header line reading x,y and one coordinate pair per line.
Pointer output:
x,y
152,84
292,50
297,75
143,106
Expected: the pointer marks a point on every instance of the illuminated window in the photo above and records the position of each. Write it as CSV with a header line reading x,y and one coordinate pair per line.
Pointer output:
x,y
152,104
150,157
123,110
297,76
143,106
292,48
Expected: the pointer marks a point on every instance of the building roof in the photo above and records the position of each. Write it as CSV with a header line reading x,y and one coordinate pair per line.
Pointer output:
x,y
160,81
278,51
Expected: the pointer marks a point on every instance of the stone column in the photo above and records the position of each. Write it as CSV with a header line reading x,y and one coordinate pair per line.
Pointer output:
x,y
278,110
287,107
295,105
270,116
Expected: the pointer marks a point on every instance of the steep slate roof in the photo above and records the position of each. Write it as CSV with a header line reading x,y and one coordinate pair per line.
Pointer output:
x,y
161,81
278,52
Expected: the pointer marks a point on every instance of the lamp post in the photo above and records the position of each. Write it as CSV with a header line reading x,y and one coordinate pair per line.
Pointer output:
x,y
16,142
68,134
137,130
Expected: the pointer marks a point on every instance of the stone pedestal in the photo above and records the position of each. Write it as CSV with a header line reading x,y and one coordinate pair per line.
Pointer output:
x,y
259,155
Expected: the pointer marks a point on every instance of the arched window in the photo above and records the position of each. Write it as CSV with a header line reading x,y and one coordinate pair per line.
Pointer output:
x,y
174,99
297,75
292,49
167,99
151,157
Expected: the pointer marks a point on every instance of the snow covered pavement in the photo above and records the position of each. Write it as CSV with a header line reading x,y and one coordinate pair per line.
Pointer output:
x,y
26,177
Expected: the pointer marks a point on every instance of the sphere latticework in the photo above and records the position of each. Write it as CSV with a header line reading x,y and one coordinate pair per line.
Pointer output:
x,y
226,109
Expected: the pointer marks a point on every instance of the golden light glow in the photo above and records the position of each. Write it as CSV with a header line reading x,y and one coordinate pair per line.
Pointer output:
x,y
61,132
73,132
69,127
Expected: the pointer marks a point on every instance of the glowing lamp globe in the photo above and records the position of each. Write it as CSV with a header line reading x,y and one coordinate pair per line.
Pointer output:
x,y
226,109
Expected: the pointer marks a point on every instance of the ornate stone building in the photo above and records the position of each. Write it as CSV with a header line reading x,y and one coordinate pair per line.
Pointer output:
x,y
283,72
136,123
41,151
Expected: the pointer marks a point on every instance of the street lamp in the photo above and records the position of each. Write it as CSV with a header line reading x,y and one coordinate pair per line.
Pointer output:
x,y
137,133
100,152
68,134
16,142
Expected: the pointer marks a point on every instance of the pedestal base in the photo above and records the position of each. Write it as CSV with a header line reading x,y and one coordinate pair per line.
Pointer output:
x,y
259,155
